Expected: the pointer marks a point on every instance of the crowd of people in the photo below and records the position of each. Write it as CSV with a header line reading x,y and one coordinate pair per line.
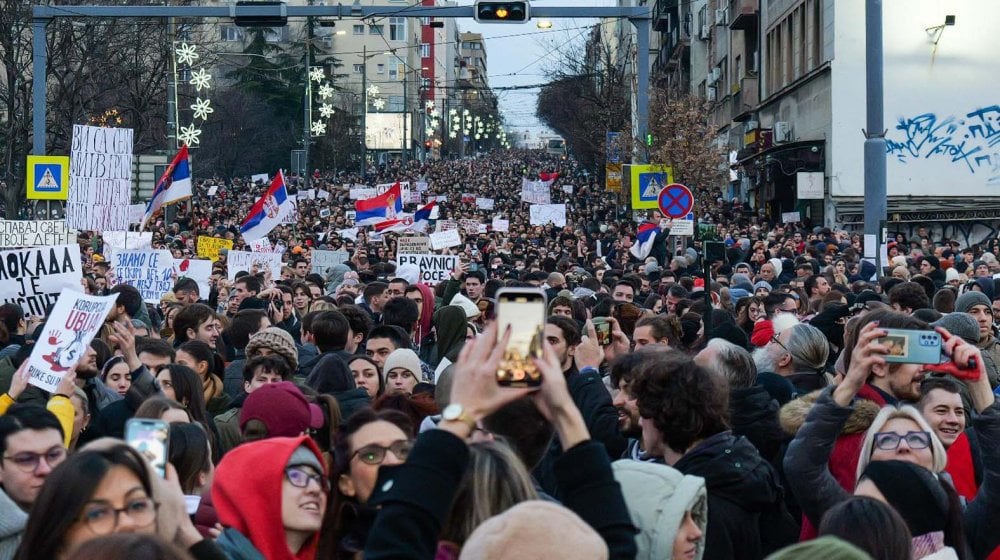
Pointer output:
x,y
352,412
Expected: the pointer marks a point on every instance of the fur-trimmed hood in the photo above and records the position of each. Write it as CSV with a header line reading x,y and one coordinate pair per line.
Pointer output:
x,y
794,413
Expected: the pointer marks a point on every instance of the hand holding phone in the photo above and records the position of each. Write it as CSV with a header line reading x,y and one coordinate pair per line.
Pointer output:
x,y
522,310
151,438
603,330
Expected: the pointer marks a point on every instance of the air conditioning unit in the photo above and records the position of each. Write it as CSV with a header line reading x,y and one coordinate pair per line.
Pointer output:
x,y
720,16
708,79
716,73
706,32
750,126
782,132
711,93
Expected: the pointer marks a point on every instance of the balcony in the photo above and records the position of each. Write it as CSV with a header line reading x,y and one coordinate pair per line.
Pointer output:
x,y
743,14
746,98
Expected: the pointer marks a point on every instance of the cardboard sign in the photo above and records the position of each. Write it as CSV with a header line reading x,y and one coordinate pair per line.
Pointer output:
x,y
262,245
413,245
33,278
127,240
500,224
245,260
445,225
322,260
485,203
73,323
433,268
150,272
468,226
100,187
445,239
136,212
35,233
543,214
198,270
791,217
208,247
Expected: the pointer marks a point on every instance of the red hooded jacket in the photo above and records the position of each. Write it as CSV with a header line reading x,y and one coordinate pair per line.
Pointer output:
x,y
247,494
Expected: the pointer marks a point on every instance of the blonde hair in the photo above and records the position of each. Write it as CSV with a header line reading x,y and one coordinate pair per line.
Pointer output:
x,y
906,412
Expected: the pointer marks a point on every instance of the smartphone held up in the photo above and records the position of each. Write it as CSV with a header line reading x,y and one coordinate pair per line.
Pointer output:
x,y
522,310
151,438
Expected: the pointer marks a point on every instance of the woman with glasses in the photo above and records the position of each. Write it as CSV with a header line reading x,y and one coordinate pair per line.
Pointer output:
x,y
105,489
367,441
271,496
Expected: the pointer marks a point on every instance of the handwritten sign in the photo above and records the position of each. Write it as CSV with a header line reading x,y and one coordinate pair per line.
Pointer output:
x,y
253,262
468,198
433,268
150,272
100,188
445,225
791,217
544,214
198,270
322,260
413,245
485,203
33,278
33,233
260,178
209,246
73,323
445,239
470,227
500,224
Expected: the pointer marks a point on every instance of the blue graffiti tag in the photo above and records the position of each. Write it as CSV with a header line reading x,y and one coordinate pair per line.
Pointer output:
x,y
973,141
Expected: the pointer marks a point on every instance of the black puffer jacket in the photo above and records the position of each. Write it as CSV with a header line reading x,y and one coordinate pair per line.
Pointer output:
x,y
754,415
747,517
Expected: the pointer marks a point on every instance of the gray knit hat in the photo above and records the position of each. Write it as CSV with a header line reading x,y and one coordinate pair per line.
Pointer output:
x,y
276,340
763,284
966,301
961,325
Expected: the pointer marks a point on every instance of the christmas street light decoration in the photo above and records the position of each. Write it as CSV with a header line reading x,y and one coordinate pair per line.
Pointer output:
x,y
202,108
318,128
316,74
189,135
201,79
186,54
325,91
326,110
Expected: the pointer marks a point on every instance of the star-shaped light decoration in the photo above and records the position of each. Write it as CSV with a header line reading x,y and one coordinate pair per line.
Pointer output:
x,y
189,135
453,111
435,113
452,134
373,89
326,110
201,79
429,104
434,123
186,54
318,128
202,108
478,136
379,104
325,91
316,74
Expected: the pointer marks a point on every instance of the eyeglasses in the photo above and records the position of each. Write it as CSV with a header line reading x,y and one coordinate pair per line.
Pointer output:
x,y
774,339
103,519
889,441
374,454
28,462
299,478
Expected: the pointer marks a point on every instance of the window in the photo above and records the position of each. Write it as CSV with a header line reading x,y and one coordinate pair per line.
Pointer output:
x,y
425,21
794,45
397,29
425,83
425,50
359,29
231,34
380,68
359,68
376,29
276,35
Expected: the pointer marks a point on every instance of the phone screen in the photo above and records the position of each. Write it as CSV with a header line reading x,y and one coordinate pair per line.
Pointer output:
x,y
523,310
150,438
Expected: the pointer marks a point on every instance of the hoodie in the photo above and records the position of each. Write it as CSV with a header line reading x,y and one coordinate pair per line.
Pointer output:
x,y
247,497
12,522
450,324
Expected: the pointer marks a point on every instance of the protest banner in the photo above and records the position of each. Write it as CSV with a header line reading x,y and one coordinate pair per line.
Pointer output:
x,y
308,194
262,245
100,169
292,216
209,246
404,189
791,217
150,272
421,186
413,244
485,203
322,195
500,224
544,214
35,233
72,325
445,239
445,225
362,193
322,260
483,229
261,177
536,192
468,226
568,189
245,260
198,270
33,278
433,268
136,212
415,198
127,239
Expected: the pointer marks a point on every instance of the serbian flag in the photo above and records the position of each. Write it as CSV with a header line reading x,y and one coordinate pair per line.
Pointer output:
x,y
386,206
547,177
269,211
173,186
644,240
401,224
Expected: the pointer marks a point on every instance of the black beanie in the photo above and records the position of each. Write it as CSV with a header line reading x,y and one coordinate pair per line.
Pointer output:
x,y
914,492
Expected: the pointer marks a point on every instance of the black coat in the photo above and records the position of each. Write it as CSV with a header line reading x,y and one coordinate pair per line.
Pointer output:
x,y
747,518
754,415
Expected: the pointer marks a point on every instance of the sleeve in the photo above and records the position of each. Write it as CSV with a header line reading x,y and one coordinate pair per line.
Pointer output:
x,y
808,454
414,498
5,403
206,549
594,402
588,487
64,411
450,289
982,516
143,387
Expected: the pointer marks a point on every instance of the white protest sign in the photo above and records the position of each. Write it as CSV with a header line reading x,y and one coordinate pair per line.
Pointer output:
x,y
150,272
245,260
421,186
468,226
445,225
351,215
262,177
362,193
682,227
127,239
322,260
324,213
445,239
262,245
500,224
73,323
791,217
321,194
292,216
433,268
413,245
198,270
438,198
484,203
537,192
349,233
543,214
212,190
308,194
100,186
33,278
568,189
35,233
136,212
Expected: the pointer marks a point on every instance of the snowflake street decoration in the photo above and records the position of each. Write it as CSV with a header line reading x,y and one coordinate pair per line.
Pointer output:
x,y
379,104
434,123
430,104
189,135
186,54
326,110
318,128
435,113
200,79
373,90
202,108
316,74
452,134
325,91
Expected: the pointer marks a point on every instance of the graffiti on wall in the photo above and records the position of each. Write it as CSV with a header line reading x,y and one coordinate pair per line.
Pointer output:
x,y
967,233
971,142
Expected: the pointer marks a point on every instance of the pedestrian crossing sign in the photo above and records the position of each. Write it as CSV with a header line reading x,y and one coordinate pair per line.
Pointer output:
x,y
48,177
646,182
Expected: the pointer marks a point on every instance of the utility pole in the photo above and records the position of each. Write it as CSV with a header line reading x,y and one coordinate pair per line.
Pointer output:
x,y
406,124
364,110
172,87
875,174
307,104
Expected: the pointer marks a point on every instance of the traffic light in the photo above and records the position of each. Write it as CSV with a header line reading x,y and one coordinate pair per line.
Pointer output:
x,y
487,11
649,139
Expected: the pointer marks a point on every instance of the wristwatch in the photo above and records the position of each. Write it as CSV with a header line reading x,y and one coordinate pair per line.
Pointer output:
x,y
456,412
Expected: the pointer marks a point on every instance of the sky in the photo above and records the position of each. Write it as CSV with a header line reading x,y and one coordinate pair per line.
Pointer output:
x,y
524,60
